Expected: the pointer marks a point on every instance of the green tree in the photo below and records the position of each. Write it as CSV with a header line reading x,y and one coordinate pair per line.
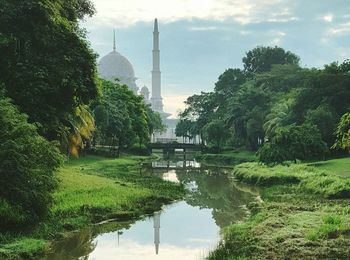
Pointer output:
x,y
325,120
216,132
343,133
27,166
261,59
47,65
154,121
121,116
183,128
293,142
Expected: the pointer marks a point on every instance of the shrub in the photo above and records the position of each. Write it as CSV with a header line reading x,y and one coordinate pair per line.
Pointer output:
x,y
293,142
27,166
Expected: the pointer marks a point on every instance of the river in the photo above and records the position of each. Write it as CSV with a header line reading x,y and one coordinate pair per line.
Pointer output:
x,y
186,229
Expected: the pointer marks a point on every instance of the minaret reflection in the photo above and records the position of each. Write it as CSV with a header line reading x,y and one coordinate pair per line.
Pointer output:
x,y
156,225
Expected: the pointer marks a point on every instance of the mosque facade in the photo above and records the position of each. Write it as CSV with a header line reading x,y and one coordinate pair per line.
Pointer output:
x,y
114,66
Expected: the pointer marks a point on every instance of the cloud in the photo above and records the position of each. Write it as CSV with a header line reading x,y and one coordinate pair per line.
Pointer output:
x,y
328,18
121,13
340,29
174,103
203,28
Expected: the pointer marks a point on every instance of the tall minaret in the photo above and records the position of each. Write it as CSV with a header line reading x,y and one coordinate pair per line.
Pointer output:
x,y
156,100
114,47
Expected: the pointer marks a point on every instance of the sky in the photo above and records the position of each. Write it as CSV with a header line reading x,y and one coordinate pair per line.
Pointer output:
x,y
199,39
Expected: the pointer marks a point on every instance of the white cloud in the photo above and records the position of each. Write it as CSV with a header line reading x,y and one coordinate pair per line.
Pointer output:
x,y
203,28
121,13
340,29
244,32
328,18
174,103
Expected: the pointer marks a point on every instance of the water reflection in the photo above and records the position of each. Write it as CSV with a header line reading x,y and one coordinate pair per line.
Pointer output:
x,y
156,226
183,230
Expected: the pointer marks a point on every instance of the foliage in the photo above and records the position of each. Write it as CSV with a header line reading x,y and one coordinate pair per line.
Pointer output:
x,y
185,128
293,143
27,165
122,118
154,121
261,59
47,65
343,133
78,130
270,95
216,132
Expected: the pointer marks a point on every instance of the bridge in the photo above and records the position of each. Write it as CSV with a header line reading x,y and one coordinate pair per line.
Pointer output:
x,y
169,148
175,145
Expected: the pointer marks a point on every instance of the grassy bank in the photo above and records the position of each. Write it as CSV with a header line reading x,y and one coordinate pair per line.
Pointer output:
x,y
227,157
305,214
339,167
92,189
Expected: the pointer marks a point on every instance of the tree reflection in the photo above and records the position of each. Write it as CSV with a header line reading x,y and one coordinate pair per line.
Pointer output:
x,y
212,189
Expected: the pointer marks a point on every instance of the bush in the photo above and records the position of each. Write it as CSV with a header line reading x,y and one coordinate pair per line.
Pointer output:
x,y
27,166
293,142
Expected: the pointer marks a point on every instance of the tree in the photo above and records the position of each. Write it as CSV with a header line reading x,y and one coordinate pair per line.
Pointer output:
x,y
47,65
216,132
27,166
229,81
294,142
154,121
343,133
77,131
121,116
261,59
183,128
246,113
325,119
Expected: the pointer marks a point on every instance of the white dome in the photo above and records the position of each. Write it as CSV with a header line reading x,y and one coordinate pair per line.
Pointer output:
x,y
114,65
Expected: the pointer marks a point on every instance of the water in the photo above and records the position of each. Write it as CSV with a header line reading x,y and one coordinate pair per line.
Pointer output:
x,y
186,229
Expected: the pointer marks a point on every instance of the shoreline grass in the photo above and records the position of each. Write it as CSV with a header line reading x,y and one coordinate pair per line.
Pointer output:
x,y
305,214
227,157
92,189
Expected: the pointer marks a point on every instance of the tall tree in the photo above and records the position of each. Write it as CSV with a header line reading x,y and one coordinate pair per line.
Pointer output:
x,y
261,59
343,133
46,65
27,166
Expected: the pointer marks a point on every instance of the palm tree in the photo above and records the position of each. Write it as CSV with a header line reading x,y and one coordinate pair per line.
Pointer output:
x,y
79,127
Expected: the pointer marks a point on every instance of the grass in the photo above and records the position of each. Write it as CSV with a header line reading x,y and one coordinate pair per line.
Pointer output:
x,y
340,167
305,214
228,157
92,189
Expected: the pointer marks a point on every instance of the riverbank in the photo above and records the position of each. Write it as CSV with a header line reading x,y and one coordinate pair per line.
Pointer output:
x,y
92,189
305,214
227,157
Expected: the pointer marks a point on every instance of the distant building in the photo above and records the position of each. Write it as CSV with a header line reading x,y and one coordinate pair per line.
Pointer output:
x,y
116,66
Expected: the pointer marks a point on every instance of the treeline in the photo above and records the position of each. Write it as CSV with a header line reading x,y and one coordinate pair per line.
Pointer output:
x,y
275,107
53,104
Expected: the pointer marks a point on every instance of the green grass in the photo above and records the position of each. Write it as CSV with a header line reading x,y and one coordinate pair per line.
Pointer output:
x,y
92,189
310,178
299,217
227,157
22,248
340,167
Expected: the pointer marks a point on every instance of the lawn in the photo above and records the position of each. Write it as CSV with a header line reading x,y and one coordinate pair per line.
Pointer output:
x,y
340,167
228,157
92,189
304,214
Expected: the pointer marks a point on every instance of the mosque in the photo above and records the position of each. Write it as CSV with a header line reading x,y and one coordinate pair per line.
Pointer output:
x,y
114,65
